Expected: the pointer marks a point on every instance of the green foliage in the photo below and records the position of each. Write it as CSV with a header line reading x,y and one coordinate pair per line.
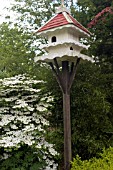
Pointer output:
x,y
90,112
102,38
23,124
104,162
33,13
16,54
82,11
92,101
23,159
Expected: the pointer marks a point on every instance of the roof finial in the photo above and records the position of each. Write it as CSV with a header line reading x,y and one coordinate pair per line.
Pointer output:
x,y
62,8
62,2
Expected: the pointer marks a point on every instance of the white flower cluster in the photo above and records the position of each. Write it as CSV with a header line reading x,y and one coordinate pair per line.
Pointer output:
x,y
22,117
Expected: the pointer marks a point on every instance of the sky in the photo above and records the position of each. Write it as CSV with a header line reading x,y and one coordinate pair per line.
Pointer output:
x,y
3,12
4,3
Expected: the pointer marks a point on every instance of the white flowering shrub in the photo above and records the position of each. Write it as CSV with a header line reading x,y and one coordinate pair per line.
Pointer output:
x,y
23,126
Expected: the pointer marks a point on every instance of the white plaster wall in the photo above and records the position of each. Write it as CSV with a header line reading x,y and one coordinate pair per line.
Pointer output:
x,y
63,35
73,35
64,49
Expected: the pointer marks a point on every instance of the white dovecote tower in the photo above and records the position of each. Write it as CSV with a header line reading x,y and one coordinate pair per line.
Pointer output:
x,y
63,33
63,54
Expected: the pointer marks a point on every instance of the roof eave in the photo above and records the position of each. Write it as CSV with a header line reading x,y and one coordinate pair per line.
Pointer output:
x,y
48,31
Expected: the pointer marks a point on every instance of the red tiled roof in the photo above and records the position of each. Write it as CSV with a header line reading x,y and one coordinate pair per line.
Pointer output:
x,y
57,21
60,20
77,24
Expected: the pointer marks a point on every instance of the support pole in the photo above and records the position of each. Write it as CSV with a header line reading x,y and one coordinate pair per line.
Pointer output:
x,y
66,116
67,131
65,79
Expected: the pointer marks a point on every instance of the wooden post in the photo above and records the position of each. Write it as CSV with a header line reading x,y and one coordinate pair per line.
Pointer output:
x,y
65,79
66,115
67,131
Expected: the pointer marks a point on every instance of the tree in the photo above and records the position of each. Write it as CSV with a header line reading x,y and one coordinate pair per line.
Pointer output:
x,y
100,12
16,54
100,47
90,111
82,11
33,13
91,93
23,123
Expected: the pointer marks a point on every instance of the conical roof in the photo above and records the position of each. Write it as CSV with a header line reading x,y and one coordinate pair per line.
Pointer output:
x,y
62,18
63,21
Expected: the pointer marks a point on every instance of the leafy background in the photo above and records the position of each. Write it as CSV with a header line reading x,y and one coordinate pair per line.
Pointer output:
x,y
91,95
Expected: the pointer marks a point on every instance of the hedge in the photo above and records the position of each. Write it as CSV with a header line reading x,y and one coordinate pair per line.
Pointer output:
x,y
104,162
